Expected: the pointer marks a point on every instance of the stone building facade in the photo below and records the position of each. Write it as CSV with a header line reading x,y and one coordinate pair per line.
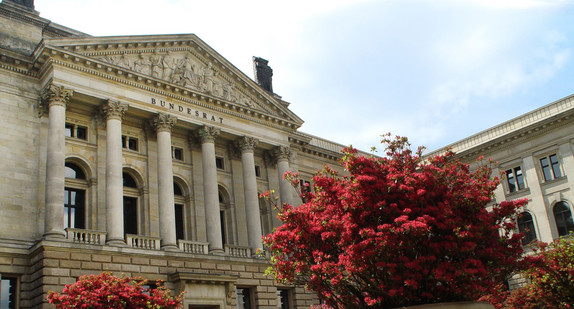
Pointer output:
x,y
535,155
141,155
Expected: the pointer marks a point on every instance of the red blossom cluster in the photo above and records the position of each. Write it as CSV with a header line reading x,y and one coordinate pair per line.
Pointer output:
x,y
105,291
550,273
397,230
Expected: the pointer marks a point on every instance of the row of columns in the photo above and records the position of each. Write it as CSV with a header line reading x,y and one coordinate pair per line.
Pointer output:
x,y
56,97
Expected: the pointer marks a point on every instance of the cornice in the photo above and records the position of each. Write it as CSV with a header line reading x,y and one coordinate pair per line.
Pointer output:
x,y
49,56
511,140
15,62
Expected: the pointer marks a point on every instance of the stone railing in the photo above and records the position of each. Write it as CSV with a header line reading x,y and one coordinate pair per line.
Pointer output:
x,y
143,242
196,247
86,236
237,251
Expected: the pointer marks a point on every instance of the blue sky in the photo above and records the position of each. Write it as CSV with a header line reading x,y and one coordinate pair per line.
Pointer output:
x,y
434,71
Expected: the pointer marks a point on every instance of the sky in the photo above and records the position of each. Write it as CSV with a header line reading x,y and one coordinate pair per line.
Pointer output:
x,y
435,71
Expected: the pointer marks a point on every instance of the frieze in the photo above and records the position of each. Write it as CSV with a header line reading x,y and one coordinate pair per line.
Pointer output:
x,y
182,69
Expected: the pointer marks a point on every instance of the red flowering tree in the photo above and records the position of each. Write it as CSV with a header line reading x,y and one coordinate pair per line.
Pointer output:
x,y
105,291
397,230
550,274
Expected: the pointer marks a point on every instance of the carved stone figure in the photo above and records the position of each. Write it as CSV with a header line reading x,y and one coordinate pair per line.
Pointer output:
x,y
168,64
124,62
142,65
156,65
208,76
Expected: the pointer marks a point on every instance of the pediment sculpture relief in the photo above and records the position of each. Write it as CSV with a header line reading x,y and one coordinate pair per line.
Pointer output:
x,y
184,70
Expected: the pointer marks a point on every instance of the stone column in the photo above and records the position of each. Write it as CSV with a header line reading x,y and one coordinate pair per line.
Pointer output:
x,y
56,97
114,112
162,124
210,191
247,147
281,155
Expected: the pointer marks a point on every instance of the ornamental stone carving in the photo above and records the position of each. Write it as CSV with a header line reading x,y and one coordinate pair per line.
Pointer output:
x,y
281,153
246,144
56,95
162,122
208,134
114,110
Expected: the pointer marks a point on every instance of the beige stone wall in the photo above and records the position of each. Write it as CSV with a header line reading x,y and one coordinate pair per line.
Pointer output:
x,y
20,162
49,266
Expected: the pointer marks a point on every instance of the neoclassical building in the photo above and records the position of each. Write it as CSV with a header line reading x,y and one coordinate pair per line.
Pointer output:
x,y
535,155
145,155
142,155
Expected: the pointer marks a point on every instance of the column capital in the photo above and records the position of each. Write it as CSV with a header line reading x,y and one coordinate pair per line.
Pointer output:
x,y
56,95
246,144
281,153
162,122
114,110
208,134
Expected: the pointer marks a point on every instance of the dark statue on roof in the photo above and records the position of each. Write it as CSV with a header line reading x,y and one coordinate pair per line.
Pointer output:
x,y
27,3
263,73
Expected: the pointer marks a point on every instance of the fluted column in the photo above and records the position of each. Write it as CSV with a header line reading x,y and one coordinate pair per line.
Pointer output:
x,y
56,97
210,191
282,154
247,147
162,124
114,111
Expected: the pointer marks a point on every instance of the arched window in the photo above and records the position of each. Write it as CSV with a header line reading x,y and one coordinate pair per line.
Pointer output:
x,y
131,194
179,211
74,196
265,214
563,218
526,226
225,216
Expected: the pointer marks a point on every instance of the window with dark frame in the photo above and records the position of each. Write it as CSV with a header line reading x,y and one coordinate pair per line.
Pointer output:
x,y
526,227
257,171
284,298
244,298
550,167
563,218
8,292
76,131
74,198
130,143
177,153
219,163
515,179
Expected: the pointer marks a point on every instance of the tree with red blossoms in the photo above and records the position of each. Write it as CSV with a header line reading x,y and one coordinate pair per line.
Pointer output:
x,y
397,230
105,291
550,277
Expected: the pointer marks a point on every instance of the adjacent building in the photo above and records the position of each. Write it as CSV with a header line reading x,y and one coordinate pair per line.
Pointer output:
x,y
535,158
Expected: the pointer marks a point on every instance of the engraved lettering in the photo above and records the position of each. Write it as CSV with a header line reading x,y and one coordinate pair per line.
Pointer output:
x,y
153,101
212,118
180,108
196,113
162,103
220,120
189,111
204,115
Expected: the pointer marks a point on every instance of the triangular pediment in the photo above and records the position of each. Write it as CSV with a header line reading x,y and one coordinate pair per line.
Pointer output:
x,y
182,62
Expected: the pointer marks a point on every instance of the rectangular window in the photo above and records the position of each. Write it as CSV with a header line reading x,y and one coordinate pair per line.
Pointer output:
x,y
76,131
284,296
515,179
219,163
550,167
177,153
8,292
257,171
244,298
130,143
